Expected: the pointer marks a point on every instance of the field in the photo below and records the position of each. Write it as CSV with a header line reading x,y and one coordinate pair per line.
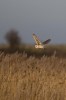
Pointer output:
x,y
58,50
24,77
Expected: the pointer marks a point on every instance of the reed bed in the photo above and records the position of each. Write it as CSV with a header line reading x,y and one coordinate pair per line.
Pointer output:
x,y
31,78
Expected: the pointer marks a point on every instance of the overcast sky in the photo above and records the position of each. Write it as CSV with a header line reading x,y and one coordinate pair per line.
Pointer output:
x,y
47,18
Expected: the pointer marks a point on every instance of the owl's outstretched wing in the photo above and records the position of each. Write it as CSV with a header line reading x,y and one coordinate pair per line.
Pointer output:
x,y
36,39
47,41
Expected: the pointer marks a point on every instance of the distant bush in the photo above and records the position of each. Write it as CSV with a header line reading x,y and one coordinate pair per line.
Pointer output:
x,y
12,38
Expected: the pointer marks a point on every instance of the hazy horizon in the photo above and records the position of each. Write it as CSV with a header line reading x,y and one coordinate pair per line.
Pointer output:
x,y
47,18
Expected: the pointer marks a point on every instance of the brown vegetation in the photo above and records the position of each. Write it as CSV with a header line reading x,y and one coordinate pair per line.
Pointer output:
x,y
58,50
23,78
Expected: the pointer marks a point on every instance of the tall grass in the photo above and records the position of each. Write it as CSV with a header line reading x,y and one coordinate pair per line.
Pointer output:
x,y
23,78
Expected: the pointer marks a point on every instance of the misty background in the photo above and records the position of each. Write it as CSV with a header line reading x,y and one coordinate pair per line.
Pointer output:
x,y
47,18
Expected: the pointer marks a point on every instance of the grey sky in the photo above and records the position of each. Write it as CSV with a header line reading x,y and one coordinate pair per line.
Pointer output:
x,y
47,17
